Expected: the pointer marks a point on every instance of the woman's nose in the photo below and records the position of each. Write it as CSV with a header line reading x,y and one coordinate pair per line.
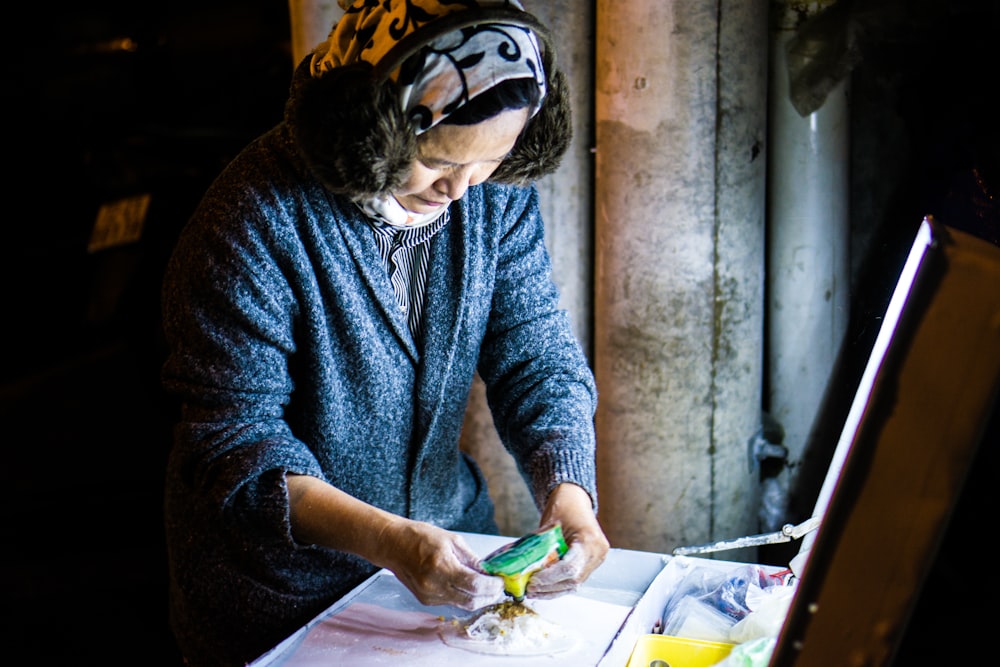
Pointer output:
x,y
456,183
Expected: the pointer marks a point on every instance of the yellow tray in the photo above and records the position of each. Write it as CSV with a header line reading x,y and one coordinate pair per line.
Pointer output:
x,y
666,651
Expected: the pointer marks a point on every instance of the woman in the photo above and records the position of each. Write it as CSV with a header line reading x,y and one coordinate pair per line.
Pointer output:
x,y
326,309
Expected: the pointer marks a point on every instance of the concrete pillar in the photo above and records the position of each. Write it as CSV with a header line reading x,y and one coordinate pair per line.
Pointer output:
x,y
808,259
680,106
310,22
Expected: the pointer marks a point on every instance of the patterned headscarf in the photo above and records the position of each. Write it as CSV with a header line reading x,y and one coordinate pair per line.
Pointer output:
x,y
439,76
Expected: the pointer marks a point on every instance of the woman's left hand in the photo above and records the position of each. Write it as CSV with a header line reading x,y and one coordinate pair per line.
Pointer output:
x,y
570,504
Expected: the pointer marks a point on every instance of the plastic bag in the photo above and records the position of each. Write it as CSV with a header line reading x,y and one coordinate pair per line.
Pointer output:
x,y
709,602
768,609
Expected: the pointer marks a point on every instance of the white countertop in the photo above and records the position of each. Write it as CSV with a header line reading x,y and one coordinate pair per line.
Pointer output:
x,y
382,623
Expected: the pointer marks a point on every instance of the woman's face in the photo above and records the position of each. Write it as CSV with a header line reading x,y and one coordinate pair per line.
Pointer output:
x,y
453,157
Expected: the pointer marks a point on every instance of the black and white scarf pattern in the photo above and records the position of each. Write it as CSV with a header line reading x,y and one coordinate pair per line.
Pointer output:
x,y
447,72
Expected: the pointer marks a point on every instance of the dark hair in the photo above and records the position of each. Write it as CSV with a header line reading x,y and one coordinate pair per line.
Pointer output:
x,y
505,96
350,128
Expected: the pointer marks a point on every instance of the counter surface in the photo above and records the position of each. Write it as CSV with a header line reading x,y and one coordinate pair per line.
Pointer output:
x,y
382,623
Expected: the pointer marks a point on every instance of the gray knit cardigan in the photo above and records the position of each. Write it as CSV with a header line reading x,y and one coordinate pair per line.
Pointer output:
x,y
288,353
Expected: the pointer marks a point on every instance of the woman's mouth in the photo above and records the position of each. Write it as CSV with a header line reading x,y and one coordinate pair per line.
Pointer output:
x,y
432,204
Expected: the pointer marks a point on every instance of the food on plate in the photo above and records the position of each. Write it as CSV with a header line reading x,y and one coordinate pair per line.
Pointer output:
x,y
508,628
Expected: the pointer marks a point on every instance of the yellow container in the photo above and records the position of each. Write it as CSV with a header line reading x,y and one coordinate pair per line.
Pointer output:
x,y
666,651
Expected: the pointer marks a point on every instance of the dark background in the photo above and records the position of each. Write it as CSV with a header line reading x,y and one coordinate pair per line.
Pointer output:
x,y
92,119
95,119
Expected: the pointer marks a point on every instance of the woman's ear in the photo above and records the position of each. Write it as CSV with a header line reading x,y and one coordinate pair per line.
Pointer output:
x,y
545,139
350,129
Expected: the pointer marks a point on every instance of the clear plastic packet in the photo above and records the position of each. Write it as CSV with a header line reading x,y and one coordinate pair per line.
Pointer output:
x,y
709,601
696,619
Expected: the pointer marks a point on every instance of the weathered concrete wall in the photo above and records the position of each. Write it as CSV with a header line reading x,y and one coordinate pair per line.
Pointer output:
x,y
310,21
679,184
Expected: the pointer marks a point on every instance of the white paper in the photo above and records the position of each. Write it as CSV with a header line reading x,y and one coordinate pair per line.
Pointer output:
x,y
385,625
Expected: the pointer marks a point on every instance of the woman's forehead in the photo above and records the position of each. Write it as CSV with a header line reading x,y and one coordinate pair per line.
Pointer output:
x,y
491,139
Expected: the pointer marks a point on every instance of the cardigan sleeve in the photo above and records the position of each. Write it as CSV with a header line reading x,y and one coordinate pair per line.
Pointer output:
x,y
227,317
540,386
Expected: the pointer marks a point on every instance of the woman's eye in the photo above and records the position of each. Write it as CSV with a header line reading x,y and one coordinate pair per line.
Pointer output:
x,y
434,163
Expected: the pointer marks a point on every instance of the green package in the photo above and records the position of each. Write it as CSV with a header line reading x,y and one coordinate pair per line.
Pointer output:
x,y
517,561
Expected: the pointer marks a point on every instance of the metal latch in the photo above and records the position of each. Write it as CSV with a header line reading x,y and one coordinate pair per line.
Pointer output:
x,y
787,533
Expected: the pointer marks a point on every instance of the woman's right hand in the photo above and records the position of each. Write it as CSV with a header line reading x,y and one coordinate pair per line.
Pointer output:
x,y
436,565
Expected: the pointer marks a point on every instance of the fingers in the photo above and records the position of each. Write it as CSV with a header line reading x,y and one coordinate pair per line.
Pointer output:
x,y
477,590
588,548
474,589
562,577
443,569
447,573
571,506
